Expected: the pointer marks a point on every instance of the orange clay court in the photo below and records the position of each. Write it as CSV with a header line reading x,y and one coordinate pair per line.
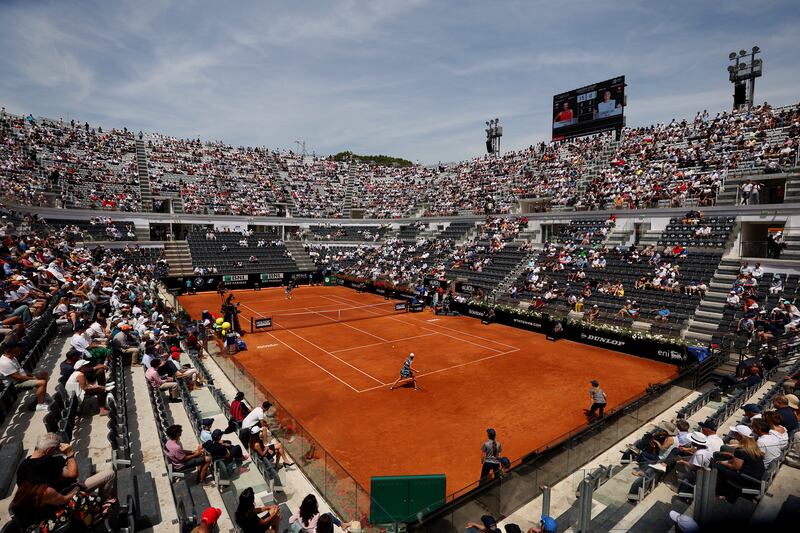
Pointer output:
x,y
335,377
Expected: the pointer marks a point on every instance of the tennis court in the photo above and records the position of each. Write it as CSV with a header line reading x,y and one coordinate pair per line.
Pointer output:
x,y
332,354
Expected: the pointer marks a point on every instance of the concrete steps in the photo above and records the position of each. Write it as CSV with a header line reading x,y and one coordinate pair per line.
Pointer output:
x,y
179,257
300,256
281,180
708,315
348,192
650,237
145,190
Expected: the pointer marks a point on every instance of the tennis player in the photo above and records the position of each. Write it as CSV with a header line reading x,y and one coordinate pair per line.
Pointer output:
x,y
407,373
288,291
221,288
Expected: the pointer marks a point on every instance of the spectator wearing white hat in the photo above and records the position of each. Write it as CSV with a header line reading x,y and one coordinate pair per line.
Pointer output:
x,y
701,458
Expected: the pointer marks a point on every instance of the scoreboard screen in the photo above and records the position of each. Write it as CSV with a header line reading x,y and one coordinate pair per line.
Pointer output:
x,y
590,109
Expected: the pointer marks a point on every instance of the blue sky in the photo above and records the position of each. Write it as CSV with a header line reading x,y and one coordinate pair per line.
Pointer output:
x,y
410,78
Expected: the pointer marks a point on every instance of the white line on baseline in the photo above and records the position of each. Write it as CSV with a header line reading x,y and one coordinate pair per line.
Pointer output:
x,y
458,338
452,367
322,350
451,329
379,343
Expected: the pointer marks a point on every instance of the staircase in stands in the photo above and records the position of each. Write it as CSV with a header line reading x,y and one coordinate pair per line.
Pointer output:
x,y
281,178
348,192
619,236
144,176
300,256
502,288
792,190
792,237
706,320
179,257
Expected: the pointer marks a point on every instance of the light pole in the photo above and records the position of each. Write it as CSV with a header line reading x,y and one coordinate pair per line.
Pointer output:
x,y
301,148
742,73
493,133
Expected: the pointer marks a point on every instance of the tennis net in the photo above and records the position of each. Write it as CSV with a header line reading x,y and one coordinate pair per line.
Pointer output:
x,y
310,318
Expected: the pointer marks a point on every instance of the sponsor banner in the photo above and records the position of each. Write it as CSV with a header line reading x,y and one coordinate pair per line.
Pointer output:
x,y
650,349
262,323
402,306
433,283
235,281
466,288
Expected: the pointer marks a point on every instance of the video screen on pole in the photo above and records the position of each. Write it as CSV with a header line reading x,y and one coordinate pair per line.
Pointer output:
x,y
590,109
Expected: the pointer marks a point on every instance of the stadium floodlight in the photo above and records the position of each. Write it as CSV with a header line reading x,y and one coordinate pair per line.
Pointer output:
x,y
493,134
743,73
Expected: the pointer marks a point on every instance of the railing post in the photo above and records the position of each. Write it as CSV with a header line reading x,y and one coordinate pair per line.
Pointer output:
x,y
545,500
585,505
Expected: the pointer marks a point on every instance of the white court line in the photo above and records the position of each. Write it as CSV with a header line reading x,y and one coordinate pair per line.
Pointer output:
x,y
457,338
379,343
452,367
451,329
313,363
334,356
253,310
334,321
322,350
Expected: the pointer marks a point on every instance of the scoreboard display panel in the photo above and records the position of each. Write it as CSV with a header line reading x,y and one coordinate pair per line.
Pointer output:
x,y
591,109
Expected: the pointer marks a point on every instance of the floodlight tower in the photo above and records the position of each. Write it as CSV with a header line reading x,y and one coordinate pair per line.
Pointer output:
x,y
493,133
743,71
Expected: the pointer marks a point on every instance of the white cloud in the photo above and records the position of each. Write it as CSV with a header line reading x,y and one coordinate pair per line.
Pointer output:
x,y
414,79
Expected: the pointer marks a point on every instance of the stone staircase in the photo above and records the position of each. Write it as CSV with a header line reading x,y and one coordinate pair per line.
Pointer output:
x,y
348,192
792,238
281,178
706,320
144,176
177,205
142,232
179,257
649,237
619,237
300,256
792,194
502,288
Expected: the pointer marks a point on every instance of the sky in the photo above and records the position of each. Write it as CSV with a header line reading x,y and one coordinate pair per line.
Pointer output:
x,y
409,78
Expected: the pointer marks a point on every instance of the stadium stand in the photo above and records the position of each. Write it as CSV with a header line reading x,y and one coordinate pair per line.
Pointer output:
x,y
681,277
235,252
680,164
